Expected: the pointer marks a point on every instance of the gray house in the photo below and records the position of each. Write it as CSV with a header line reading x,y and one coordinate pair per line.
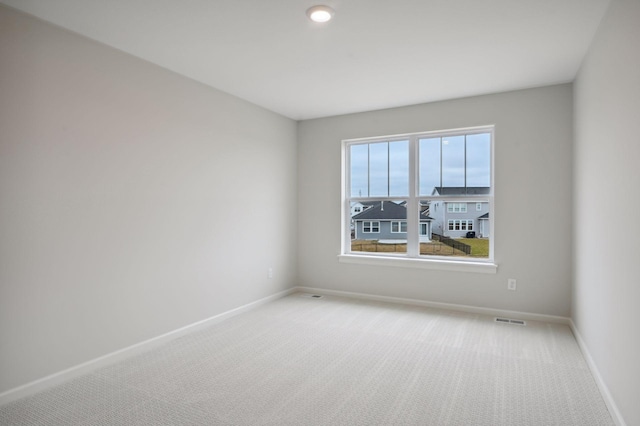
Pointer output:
x,y
386,220
455,219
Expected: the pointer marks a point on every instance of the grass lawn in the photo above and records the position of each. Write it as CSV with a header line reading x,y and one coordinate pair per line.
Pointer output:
x,y
479,246
436,248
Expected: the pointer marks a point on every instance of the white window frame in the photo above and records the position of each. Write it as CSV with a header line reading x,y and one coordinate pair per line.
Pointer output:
x,y
456,207
399,223
462,224
478,207
412,258
371,226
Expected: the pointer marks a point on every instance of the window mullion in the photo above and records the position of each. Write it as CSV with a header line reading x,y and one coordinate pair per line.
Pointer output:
x,y
412,203
388,169
465,164
346,208
440,185
451,214
368,170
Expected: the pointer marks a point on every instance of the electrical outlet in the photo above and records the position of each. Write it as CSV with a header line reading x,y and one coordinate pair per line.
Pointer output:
x,y
270,273
511,284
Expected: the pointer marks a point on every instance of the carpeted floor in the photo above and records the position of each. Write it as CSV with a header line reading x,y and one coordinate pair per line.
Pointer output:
x,y
334,361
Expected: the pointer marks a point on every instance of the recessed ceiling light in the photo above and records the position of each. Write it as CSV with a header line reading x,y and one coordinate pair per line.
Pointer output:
x,y
320,13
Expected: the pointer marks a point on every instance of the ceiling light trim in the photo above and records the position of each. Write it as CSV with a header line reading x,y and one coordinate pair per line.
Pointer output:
x,y
320,13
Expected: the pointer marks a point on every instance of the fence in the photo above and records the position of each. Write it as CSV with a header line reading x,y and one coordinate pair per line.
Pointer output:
x,y
438,246
374,246
452,243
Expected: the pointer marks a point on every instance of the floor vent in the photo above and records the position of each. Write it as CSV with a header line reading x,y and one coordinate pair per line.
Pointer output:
x,y
511,321
312,296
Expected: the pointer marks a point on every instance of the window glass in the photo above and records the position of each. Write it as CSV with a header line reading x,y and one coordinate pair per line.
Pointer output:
x,y
453,161
359,170
399,169
379,169
478,157
429,165
380,228
452,175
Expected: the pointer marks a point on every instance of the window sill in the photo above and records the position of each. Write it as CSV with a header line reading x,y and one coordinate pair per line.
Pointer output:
x,y
434,264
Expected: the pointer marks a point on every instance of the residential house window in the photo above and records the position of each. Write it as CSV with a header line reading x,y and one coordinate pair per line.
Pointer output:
x,y
460,225
456,207
397,227
370,226
411,175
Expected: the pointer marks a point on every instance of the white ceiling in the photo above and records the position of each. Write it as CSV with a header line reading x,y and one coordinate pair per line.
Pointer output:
x,y
375,53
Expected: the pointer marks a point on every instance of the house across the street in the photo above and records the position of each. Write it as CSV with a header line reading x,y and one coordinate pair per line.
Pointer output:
x,y
386,220
361,206
456,218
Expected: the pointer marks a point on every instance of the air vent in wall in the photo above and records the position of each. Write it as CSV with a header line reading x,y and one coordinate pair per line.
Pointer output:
x,y
511,321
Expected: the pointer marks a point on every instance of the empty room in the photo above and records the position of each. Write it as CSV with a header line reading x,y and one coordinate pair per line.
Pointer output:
x,y
362,212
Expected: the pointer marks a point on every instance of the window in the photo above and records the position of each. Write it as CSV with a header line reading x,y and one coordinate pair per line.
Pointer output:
x,y
460,225
368,226
456,207
397,227
405,178
357,209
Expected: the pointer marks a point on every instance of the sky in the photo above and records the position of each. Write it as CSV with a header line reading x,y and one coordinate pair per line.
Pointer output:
x,y
381,169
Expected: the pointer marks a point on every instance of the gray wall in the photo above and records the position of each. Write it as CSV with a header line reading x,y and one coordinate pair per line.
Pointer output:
x,y
533,164
606,291
123,190
123,194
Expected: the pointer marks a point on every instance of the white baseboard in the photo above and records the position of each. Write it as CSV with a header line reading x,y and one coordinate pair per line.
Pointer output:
x,y
604,390
92,365
439,305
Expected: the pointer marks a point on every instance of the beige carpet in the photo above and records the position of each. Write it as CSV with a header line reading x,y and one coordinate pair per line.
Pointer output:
x,y
334,361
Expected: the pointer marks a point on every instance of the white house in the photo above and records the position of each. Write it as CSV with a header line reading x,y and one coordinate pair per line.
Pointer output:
x,y
360,206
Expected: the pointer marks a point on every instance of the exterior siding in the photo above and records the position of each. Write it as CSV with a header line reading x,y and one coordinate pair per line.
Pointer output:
x,y
437,212
442,217
384,234
484,228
